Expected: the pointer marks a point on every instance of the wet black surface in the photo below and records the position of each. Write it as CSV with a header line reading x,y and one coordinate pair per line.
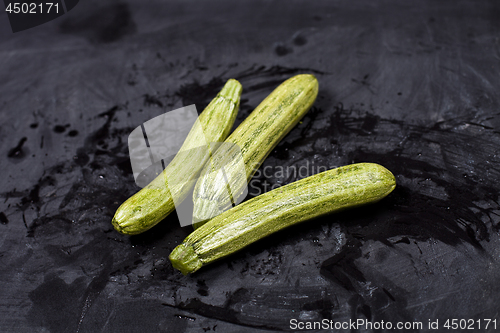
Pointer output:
x,y
414,88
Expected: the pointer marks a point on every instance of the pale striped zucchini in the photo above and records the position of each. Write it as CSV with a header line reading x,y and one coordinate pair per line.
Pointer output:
x,y
154,202
256,137
302,200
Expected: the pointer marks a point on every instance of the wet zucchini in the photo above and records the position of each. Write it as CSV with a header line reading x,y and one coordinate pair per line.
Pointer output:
x,y
323,193
154,202
256,137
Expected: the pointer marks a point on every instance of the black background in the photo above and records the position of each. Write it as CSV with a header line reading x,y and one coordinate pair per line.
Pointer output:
x,y
413,86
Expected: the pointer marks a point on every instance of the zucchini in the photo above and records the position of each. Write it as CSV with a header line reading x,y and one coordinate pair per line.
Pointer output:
x,y
320,194
256,137
154,202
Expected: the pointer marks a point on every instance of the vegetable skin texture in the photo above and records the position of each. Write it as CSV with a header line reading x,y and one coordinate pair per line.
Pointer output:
x,y
256,137
153,203
317,195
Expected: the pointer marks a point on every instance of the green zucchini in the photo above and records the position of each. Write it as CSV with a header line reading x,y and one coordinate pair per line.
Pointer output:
x,y
154,202
256,137
320,194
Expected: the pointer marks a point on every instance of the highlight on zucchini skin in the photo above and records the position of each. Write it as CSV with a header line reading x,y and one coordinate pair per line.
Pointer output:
x,y
256,137
153,203
317,195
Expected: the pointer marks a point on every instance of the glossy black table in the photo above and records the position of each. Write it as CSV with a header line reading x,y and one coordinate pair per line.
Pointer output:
x,y
414,87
